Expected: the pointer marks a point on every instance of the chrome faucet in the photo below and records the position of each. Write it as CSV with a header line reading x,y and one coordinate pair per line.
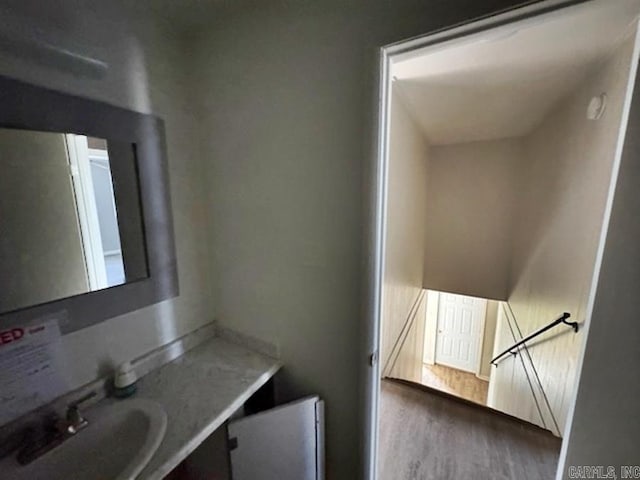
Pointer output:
x,y
36,442
74,420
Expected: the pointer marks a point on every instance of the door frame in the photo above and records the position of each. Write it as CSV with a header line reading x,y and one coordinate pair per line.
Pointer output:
x,y
431,327
78,154
483,341
378,205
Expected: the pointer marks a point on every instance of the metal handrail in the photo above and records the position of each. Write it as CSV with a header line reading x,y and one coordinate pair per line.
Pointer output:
x,y
562,319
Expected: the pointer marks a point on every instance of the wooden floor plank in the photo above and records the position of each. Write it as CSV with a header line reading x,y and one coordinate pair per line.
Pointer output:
x,y
429,437
455,382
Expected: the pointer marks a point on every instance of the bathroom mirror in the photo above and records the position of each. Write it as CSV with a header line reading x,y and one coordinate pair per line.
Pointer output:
x,y
85,219
59,219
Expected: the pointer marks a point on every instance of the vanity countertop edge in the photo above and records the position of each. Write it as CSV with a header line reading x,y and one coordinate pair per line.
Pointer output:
x,y
199,391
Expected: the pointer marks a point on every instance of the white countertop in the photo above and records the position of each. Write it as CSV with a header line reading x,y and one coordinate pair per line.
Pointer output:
x,y
199,392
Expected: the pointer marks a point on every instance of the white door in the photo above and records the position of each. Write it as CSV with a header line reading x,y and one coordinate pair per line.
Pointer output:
x,y
460,329
284,443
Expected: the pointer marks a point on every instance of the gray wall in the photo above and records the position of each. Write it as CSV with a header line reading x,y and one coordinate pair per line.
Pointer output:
x,y
41,254
606,419
146,73
287,100
472,196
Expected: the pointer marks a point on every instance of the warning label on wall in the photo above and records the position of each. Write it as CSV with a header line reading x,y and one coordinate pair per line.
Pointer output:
x,y
30,368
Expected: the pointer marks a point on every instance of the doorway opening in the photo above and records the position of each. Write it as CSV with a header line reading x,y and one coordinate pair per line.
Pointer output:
x,y
452,352
458,344
499,149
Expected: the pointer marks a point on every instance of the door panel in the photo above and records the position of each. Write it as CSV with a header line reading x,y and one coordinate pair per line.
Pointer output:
x,y
284,443
460,327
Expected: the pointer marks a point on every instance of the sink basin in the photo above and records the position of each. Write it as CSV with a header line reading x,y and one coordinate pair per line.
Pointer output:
x,y
119,441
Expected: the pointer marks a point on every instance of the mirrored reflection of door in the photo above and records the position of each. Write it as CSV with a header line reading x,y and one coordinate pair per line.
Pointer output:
x,y
61,233
459,335
95,203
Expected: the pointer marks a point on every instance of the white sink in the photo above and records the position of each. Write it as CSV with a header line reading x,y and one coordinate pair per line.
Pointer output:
x,y
119,441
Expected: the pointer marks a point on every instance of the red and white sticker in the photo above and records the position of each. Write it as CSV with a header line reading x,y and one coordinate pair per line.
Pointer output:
x,y
30,368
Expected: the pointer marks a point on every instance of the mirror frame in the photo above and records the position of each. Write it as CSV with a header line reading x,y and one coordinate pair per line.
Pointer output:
x,y
29,107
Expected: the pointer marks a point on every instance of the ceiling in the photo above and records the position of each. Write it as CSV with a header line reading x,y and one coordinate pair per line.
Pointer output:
x,y
502,82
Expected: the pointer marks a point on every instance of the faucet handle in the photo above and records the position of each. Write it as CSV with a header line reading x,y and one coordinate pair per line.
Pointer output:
x,y
74,419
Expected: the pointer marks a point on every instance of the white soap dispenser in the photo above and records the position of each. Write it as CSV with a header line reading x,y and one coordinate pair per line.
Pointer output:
x,y
125,380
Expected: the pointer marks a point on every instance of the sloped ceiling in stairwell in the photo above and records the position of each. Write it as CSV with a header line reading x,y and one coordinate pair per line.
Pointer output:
x,y
502,83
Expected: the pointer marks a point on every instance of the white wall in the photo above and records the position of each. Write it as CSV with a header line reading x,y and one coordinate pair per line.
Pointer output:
x,y
471,196
604,429
488,338
408,361
510,388
567,179
145,74
431,326
404,244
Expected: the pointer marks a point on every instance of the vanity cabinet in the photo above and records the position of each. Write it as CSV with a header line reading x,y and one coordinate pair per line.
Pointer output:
x,y
284,443
262,442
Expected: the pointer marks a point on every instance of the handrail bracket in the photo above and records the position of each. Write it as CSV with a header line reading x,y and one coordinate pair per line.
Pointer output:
x,y
574,325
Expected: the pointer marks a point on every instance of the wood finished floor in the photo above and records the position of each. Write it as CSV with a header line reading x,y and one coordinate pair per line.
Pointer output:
x,y
424,436
455,382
